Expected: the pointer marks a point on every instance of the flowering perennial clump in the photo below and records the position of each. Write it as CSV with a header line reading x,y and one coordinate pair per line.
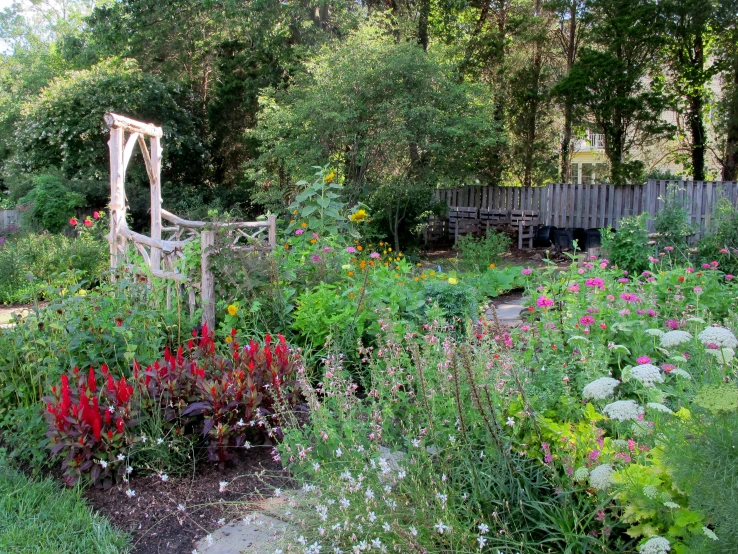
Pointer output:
x,y
655,545
601,477
623,410
674,338
719,336
647,374
600,389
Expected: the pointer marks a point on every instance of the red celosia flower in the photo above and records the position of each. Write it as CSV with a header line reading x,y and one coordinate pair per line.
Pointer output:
x,y
87,222
120,425
73,221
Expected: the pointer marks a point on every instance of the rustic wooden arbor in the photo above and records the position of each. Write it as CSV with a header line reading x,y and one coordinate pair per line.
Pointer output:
x,y
161,254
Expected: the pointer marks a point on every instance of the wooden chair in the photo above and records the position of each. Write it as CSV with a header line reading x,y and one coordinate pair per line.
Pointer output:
x,y
463,221
527,224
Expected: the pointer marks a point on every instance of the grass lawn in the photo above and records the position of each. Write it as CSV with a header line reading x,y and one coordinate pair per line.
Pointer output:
x,y
39,516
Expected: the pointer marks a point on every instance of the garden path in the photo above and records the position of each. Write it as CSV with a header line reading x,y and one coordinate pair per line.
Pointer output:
x,y
508,307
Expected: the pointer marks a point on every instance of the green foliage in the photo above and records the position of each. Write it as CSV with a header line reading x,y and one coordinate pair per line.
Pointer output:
x,y
477,254
701,455
628,247
51,203
63,128
456,298
721,243
38,516
385,114
672,220
30,263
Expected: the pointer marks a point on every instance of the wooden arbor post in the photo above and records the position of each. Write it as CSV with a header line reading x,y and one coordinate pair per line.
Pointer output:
x,y
120,154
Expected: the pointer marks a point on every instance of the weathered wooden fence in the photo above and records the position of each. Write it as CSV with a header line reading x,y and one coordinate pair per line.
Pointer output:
x,y
8,218
596,205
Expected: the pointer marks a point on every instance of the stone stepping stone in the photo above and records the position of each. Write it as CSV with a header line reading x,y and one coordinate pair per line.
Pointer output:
x,y
258,532
508,313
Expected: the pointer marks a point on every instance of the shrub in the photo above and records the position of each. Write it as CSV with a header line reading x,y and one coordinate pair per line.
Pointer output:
x,y
456,298
672,221
628,248
478,254
51,203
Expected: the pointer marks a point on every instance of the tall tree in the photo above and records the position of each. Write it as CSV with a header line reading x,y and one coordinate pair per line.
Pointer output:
x,y
568,36
726,32
688,34
611,79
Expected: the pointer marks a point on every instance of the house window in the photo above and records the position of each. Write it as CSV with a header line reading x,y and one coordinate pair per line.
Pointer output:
x,y
574,174
601,172
587,174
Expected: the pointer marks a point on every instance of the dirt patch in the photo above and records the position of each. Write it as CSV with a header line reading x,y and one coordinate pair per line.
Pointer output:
x,y
169,517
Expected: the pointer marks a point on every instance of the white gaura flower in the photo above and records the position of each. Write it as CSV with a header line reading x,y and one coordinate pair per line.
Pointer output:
x,y
600,388
647,374
623,410
710,533
675,338
655,545
601,477
718,335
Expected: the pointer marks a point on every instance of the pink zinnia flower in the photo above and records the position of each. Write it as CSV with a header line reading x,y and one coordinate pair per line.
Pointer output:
x,y
668,248
315,258
714,264
629,297
586,320
723,250
87,222
544,302
526,271
573,288
299,232
668,368
729,277
375,255
351,250
671,324
705,266
644,360
73,221
95,215
689,270
315,236
697,290
623,280
597,282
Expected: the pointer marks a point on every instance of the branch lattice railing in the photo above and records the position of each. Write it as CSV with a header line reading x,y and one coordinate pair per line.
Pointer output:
x,y
163,250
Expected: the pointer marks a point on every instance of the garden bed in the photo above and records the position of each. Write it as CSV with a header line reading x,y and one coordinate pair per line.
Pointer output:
x,y
172,516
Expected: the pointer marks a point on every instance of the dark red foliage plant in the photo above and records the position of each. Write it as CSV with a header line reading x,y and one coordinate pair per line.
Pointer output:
x,y
231,399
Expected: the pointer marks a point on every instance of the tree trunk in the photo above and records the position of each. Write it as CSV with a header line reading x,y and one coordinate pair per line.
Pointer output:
x,y
535,91
730,161
696,124
423,24
568,106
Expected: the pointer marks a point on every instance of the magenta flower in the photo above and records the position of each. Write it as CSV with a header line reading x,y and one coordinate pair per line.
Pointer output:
x,y
623,280
586,320
375,255
671,324
668,368
351,250
315,258
624,312
544,302
651,312
573,288
526,271
610,298
629,297
668,248
714,264
723,250
689,270
315,236
705,266
327,249
644,360
597,282
697,290
593,310
729,277
299,232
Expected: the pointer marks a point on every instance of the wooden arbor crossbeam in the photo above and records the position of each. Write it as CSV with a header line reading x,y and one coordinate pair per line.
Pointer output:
x,y
161,255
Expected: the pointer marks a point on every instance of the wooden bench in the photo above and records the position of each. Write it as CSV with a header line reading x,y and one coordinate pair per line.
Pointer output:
x,y
527,223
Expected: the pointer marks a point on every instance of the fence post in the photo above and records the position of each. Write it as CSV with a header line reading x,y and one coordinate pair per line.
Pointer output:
x,y
272,219
207,281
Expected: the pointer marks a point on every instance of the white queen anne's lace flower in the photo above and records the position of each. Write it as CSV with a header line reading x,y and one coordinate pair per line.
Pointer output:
x,y
654,332
658,407
655,545
648,374
681,373
675,338
600,388
718,335
581,474
722,354
601,477
623,410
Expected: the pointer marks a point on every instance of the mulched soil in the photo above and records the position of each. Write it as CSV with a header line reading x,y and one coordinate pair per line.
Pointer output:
x,y
171,516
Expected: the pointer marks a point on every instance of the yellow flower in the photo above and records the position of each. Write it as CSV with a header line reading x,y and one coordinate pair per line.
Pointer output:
x,y
304,225
292,221
294,212
432,273
453,281
416,279
360,248
491,266
419,264
381,243
358,215
229,339
232,310
422,276
312,241
389,250
328,178
350,273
